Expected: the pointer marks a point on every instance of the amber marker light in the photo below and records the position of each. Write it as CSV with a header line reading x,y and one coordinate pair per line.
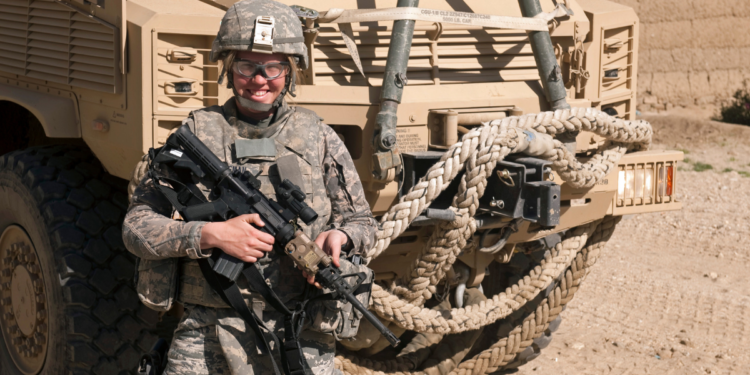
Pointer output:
x,y
670,179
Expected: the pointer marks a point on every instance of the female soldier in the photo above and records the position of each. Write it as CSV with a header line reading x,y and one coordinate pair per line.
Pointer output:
x,y
260,43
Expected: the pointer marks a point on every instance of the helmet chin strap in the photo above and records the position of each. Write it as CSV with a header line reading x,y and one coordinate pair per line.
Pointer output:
x,y
263,107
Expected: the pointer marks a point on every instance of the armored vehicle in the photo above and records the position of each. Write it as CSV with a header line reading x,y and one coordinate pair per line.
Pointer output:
x,y
497,142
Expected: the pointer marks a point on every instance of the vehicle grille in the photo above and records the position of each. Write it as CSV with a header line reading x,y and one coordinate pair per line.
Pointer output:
x,y
438,56
45,40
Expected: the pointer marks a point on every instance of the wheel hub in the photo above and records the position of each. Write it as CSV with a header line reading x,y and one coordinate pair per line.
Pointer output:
x,y
23,318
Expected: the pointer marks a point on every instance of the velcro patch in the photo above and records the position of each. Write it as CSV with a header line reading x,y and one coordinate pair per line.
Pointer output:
x,y
245,148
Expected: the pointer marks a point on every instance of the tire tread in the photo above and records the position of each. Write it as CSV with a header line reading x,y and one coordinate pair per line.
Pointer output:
x,y
107,327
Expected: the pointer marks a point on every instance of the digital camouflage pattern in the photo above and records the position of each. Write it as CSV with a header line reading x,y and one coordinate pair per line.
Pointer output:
x,y
216,341
236,30
329,180
339,316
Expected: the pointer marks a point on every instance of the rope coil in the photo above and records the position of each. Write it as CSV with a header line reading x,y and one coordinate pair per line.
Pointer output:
x,y
477,154
520,334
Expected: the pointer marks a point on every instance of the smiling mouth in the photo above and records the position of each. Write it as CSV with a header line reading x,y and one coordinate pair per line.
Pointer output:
x,y
260,94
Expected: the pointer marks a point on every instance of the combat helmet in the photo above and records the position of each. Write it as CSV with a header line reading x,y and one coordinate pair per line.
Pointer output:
x,y
263,26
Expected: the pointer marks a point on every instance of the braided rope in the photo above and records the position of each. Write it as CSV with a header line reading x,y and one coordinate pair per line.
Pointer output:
x,y
478,153
521,334
475,154
472,317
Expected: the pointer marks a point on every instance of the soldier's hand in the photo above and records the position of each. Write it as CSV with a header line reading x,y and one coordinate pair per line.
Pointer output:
x,y
238,238
330,242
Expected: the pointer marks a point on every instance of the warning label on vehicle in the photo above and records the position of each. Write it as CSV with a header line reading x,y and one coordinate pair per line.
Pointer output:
x,y
411,139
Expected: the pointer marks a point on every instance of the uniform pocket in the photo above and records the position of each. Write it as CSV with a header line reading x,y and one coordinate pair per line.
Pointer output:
x,y
157,283
325,316
340,317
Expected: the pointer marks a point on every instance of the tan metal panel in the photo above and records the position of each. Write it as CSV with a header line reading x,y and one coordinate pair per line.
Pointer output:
x,y
61,64
487,62
85,42
107,62
13,56
13,17
88,76
60,35
45,4
54,30
91,52
415,78
63,72
50,21
12,44
14,64
105,37
484,49
47,45
61,40
103,70
365,52
46,76
44,13
369,66
14,28
58,114
88,26
47,53
15,7
91,85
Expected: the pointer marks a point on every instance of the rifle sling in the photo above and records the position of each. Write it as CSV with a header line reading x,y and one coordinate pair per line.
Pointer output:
x,y
292,358
231,294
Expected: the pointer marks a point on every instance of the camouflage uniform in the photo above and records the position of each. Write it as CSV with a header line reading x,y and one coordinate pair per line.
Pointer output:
x,y
211,337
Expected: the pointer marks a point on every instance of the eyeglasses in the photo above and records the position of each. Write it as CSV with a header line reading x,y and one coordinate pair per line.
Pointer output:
x,y
270,70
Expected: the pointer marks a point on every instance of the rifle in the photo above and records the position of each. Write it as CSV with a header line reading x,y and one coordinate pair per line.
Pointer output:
x,y
238,194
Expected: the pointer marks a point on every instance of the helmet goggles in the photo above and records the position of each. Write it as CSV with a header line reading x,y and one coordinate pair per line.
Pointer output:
x,y
269,71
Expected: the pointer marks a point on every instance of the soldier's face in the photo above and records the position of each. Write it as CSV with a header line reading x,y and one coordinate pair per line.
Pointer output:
x,y
258,88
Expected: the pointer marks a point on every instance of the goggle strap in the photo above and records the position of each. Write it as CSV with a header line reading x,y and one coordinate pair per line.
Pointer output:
x,y
221,75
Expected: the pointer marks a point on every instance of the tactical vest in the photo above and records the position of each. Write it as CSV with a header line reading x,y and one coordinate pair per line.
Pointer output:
x,y
300,134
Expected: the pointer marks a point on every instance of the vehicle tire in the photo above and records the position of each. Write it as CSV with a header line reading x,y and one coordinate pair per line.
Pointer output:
x,y
60,219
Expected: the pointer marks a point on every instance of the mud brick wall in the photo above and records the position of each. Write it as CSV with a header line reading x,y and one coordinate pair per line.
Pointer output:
x,y
692,52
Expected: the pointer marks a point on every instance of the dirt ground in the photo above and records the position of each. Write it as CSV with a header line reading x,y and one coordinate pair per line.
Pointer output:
x,y
671,292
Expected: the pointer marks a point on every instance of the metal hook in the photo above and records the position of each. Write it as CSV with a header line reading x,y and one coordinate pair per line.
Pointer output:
x,y
505,176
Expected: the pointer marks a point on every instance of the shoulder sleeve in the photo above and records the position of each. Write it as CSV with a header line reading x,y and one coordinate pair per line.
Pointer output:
x,y
190,122
350,212
150,233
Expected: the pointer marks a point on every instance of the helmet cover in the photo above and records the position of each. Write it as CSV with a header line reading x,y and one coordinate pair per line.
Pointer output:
x,y
238,24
